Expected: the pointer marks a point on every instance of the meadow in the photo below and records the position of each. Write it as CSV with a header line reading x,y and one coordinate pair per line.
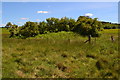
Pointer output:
x,y
60,55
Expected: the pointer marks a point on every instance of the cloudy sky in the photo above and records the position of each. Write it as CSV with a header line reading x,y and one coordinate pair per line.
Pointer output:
x,y
20,12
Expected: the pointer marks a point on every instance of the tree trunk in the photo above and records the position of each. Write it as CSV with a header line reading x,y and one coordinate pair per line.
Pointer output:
x,y
112,38
89,38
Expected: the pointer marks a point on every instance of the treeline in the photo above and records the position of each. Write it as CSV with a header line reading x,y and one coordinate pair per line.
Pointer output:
x,y
109,25
84,26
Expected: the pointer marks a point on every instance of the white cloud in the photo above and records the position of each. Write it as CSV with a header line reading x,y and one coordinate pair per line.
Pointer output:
x,y
89,14
42,11
37,19
24,18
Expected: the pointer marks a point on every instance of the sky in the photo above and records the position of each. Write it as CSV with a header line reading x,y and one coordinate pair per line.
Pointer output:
x,y
60,0
20,12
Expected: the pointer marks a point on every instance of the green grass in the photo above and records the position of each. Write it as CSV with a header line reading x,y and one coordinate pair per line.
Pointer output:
x,y
111,31
4,30
60,55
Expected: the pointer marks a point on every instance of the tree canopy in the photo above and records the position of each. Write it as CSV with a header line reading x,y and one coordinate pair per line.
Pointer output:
x,y
84,26
9,24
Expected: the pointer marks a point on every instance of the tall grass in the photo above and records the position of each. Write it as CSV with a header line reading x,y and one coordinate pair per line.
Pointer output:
x,y
60,55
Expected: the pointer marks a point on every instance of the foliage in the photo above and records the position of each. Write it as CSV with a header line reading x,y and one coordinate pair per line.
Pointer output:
x,y
14,30
29,29
84,26
52,24
109,25
9,24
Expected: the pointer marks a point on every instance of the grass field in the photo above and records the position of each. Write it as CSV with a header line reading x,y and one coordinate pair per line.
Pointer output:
x,y
61,55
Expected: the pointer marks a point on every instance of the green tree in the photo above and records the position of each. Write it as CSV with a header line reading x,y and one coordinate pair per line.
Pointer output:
x,y
14,30
71,24
8,25
52,24
42,27
64,24
29,29
87,26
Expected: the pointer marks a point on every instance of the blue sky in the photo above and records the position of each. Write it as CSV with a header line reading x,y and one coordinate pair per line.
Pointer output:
x,y
60,0
20,12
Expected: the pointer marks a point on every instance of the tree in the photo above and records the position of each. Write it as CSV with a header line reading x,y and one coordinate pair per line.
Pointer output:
x,y
64,24
14,30
42,27
11,32
71,24
87,26
29,29
9,24
52,24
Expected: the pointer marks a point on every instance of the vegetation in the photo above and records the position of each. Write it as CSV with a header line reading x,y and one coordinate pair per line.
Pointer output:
x,y
109,25
60,55
56,48
88,27
84,26
9,24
